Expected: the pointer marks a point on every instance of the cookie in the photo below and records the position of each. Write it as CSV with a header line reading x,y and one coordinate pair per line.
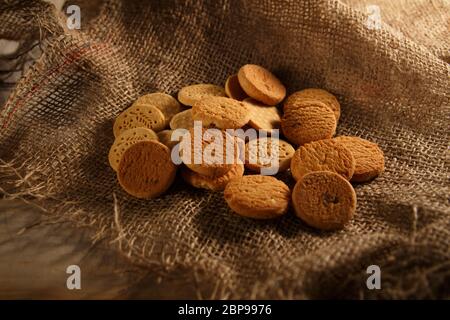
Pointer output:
x,y
258,154
323,155
215,184
168,105
192,94
146,169
324,200
260,84
369,158
146,116
126,139
258,197
233,89
263,117
165,137
209,152
182,120
220,112
310,123
314,94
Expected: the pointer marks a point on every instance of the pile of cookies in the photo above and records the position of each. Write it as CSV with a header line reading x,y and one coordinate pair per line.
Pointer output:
x,y
147,141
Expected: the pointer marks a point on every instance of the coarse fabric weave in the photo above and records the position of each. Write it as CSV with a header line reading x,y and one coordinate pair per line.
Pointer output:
x,y
56,130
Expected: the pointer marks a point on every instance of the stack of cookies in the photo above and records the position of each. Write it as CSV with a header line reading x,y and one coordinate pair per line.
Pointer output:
x,y
149,147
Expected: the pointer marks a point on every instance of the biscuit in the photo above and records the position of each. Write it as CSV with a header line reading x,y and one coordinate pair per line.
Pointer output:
x,y
260,84
310,123
324,200
192,94
314,94
145,116
220,112
182,120
258,154
263,117
213,154
258,197
146,169
126,139
233,89
215,184
168,105
165,137
323,155
369,158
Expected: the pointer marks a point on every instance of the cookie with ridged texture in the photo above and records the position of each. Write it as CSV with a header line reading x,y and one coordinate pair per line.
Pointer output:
x,y
126,139
182,120
314,94
145,116
261,84
168,105
263,117
324,200
220,112
258,197
233,89
369,158
212,183
323,155
192,94
146,169
310,123
261,152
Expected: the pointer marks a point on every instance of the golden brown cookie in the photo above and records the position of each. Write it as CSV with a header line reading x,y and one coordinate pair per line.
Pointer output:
x,y
323,155
261,153
168,105
220,112
310,123
126,139
191,94
324,200
369,158
314,94
260,84
146,169
233,89
209,152
165,137
263,117
145,116
182,120
258,197
215,184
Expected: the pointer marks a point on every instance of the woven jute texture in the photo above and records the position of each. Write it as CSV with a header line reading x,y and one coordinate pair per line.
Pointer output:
x,y
56,130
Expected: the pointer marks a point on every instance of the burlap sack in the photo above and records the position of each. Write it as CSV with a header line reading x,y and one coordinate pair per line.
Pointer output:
x,y
56,129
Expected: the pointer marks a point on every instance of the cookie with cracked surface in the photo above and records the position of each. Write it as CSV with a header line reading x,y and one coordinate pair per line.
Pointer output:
x,y
212,183
324,200
192,94
323,155
258,197
321,95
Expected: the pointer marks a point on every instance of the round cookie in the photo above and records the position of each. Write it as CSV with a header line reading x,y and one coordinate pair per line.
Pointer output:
x,y
310,123
314,94
210,154
215,184
146,169
324,200
192,94
369,158
323,155
233,89
220,112
182,120
165,137
258,154
258,197
263,117
168,105
146,116
126,139
260,84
